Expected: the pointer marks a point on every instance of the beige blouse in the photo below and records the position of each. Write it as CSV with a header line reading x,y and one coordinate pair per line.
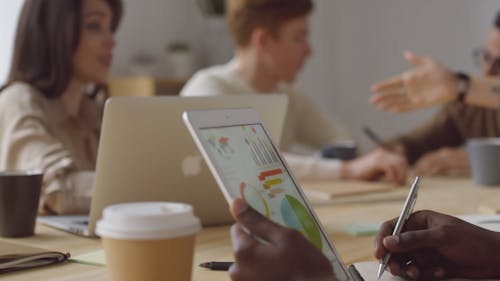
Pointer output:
x,y
38,133
306,129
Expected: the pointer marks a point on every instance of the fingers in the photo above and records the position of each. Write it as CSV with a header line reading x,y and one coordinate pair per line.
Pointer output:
x,y
431,164
401,168
385,230
413,59
244,247
392,84
442,161
254,222
418,221
395,168
398,82
394,174
428,170
415,270
395,102
241,240
414,240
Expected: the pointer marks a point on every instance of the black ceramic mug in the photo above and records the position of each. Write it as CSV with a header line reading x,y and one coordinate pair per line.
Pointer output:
x,y
19,198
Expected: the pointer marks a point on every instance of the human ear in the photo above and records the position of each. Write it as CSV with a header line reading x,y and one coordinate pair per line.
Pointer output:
x,y
261,38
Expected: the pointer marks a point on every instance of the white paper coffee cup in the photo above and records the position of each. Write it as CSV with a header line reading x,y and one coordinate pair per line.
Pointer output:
x,y
149,241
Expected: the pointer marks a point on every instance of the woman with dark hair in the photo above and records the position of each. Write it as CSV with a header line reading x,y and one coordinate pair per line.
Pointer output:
x,y
51,106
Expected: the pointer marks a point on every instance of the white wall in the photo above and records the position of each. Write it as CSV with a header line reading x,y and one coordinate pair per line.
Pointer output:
x,y
8,21
151,25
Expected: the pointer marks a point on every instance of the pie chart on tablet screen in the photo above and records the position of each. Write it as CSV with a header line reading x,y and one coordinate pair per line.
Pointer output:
x,y
296,215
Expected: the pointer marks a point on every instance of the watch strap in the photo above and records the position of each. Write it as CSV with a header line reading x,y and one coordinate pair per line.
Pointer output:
x,y
463,85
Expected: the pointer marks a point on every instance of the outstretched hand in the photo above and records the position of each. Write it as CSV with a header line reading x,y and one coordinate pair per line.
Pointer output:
x,y
428,83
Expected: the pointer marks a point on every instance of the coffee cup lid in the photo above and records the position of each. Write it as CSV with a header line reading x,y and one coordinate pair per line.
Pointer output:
x,y
147,221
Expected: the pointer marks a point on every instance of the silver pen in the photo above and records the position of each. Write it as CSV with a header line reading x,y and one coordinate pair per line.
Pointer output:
x,y
403,217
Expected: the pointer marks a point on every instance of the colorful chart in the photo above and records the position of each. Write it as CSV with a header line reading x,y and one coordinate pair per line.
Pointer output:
x,y
261,150
221,145
296,216
271,181
254,197
263,175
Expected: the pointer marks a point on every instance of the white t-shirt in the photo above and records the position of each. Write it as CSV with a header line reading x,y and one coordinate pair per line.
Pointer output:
x,y
306,129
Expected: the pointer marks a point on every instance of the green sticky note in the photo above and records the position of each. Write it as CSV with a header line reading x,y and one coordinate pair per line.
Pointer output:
x,y
361,229
94,258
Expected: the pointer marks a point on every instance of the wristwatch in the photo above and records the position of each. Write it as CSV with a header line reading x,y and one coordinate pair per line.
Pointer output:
x,y
463,85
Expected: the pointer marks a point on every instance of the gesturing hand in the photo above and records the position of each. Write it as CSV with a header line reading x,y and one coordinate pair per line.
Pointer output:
x,y
428,83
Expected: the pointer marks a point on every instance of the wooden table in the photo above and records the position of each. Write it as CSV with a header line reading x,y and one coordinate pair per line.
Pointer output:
x,y
450,195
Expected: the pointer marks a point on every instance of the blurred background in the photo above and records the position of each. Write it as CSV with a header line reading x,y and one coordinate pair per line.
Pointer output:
x,y
355,42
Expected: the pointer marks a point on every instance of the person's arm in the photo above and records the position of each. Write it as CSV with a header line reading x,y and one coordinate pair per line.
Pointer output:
x,y
266,251
310,168
436,246
28,144
484,92
440,131
442,161
430,83
379,163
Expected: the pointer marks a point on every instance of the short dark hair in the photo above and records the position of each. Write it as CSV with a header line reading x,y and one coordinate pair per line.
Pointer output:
x,y
497,20
47,36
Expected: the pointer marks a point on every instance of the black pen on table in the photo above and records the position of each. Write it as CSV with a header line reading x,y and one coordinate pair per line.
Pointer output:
x,y
373,137
216,265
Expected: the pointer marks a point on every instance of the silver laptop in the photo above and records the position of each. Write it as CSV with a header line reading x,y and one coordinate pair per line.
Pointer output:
x,y
146,154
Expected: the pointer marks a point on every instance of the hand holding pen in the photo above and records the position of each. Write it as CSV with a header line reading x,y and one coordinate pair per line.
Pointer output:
x,y
375,138
436,246
403,217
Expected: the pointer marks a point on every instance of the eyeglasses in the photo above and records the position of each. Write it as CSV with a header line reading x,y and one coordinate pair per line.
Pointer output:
x,y
485,60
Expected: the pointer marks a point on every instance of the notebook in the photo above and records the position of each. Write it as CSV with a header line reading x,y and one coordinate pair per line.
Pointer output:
x,y
368,271
15,257
320,190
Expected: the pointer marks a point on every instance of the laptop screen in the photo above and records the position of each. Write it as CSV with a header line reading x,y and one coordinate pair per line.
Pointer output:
x,y
254,171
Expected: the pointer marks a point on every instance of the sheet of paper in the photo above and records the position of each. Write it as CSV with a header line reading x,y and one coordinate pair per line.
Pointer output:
x,y
368,270
321,190
491,222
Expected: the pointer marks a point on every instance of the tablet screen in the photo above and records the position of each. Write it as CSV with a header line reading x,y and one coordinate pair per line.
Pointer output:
x,y
253,170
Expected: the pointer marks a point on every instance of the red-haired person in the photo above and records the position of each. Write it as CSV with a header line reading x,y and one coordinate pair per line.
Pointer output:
x,y
272,46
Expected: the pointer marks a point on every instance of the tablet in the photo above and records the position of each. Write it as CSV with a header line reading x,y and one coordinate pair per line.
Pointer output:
x,y
246,164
